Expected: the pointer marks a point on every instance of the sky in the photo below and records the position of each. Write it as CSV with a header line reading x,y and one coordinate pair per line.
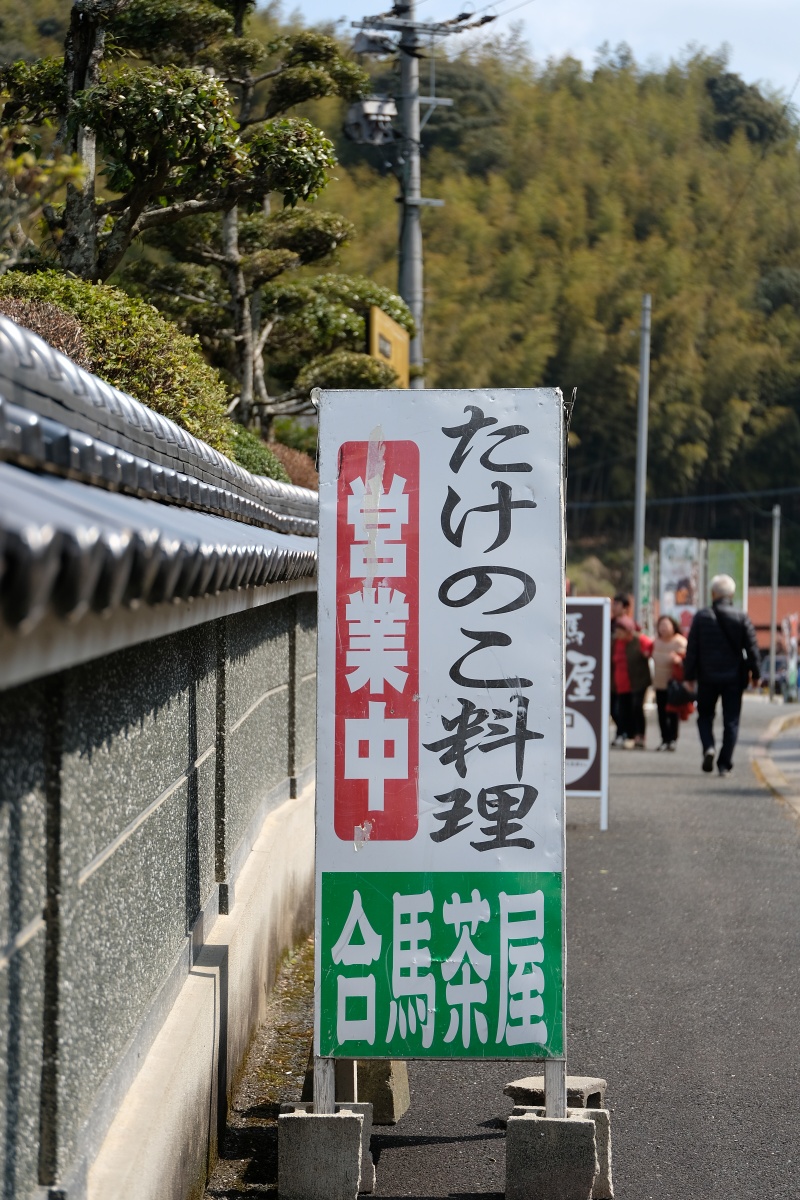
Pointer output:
x,y
763,36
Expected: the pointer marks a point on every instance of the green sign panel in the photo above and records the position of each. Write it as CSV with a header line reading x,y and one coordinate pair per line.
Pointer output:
x,y
730,558
450,965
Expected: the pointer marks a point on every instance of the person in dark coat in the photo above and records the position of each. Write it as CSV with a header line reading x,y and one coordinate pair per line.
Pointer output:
x,y
620,607
630,665
721,655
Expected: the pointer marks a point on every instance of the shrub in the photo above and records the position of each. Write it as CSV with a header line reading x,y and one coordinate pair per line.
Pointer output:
x,y
298,434
256,456
131,346
346,369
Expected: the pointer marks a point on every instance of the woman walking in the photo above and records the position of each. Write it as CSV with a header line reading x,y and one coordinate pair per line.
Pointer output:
x,y
669,649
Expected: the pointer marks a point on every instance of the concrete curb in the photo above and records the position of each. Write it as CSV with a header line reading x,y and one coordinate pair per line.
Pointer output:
x,y
765,769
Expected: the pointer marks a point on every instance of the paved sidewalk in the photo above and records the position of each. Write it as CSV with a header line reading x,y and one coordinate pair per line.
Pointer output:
x,y
683,991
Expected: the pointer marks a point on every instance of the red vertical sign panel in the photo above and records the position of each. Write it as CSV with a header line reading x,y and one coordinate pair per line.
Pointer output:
x,y
377,641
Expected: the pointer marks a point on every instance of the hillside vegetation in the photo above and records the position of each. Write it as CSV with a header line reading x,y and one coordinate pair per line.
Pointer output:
x,y
567,195
569,192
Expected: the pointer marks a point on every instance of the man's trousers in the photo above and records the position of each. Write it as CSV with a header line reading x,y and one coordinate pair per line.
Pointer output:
x,y
731,696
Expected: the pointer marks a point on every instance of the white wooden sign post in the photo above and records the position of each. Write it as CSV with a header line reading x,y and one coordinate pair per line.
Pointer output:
x,y
440,744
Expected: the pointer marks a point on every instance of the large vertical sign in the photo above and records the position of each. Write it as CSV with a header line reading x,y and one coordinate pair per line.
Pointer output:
x,y
729,558
440,738
680,579
587,688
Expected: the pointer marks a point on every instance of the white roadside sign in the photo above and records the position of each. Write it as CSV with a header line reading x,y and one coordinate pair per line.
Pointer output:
x,y
440,740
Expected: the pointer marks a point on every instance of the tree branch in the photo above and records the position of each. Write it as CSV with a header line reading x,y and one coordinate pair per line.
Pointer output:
x,y
268,75
170,291
113,248
262,337
200,255
151,218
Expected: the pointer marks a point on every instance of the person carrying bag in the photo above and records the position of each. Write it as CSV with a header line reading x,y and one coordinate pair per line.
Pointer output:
x,y
722,655
668,651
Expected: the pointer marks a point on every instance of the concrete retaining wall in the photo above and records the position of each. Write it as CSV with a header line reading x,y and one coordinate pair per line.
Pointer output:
x,y
135,787
165,1133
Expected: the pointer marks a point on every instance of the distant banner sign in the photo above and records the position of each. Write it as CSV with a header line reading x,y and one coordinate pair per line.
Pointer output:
x,y
440,736
587,692
680,576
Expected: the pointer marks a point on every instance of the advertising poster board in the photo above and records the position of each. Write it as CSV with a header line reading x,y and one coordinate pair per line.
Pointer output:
x,y
440,736
587,690
680,579
729,558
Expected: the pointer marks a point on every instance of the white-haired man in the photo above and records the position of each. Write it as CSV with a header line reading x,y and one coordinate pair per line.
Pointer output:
x,y
721,656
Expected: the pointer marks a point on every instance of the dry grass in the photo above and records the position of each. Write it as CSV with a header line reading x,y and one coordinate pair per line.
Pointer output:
x,y
299,467
54,325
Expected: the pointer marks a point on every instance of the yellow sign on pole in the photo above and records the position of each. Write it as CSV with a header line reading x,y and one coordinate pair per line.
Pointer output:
x,y
389,343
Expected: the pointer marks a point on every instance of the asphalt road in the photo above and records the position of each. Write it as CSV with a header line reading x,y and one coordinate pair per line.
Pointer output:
x,y
683,992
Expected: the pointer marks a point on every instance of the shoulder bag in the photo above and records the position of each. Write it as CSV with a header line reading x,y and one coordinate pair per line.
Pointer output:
x,y
744,672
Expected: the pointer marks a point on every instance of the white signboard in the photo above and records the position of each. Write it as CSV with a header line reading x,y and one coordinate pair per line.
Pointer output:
x,y
440,740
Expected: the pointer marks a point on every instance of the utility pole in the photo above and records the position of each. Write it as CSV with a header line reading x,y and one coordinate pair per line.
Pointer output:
x,y
401,19
773,615
641,458
410,246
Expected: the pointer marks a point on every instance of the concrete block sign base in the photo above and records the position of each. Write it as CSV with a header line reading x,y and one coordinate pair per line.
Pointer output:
x,y
319,1155
603,1187
550,1158
366,1181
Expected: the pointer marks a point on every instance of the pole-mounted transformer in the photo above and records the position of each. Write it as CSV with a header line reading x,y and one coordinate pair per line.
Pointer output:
x,y
370,123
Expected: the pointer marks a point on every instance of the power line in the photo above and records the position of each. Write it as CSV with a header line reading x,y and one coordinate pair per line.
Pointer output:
x,y
523,4
720,496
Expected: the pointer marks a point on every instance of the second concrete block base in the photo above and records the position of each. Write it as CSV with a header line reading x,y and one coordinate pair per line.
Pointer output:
x,y
550,1158
603,1187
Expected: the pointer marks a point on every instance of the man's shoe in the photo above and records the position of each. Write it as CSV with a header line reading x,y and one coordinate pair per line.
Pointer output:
x,y
708,761
672,746
725,771
628,744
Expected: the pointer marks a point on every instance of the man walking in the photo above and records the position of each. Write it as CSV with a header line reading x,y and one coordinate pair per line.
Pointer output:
x,y
721,656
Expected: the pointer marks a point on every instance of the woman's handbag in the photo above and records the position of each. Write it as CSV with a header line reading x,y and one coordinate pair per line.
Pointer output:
x,y
678,694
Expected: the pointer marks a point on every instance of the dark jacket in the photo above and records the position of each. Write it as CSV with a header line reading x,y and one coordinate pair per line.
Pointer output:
x,y
638,665
722,646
